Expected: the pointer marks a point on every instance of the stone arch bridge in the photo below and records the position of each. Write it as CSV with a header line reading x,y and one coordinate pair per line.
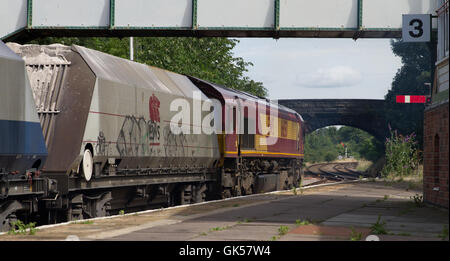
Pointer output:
x,y
365,114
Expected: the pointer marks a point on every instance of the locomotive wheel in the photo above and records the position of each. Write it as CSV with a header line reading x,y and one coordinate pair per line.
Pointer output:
x,y
87,165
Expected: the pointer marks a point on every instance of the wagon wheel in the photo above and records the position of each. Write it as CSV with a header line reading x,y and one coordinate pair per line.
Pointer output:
x,y
87,165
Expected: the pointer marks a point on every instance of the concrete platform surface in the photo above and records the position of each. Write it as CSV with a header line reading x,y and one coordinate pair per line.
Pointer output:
x,y
338,212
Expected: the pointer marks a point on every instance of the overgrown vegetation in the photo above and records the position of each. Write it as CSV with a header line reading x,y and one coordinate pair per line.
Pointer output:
x,y
409,80
378,228
355,236
20,228
327,144
282,230
418,200
444,234
402,156
300,222
219,228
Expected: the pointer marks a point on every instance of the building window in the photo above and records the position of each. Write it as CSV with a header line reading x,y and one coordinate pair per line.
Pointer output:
x,y
443,26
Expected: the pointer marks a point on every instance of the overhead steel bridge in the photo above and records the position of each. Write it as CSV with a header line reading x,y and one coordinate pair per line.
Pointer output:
x,y
25,19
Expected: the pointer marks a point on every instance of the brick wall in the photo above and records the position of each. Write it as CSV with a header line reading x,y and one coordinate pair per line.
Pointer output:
x,y
435,176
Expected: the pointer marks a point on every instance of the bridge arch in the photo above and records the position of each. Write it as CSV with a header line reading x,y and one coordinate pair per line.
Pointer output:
x,y
364,114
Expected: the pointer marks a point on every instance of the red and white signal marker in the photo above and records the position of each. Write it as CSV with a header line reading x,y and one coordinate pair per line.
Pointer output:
x,y
411,99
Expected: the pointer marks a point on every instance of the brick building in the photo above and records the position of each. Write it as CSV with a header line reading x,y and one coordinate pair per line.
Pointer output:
x,y
435,176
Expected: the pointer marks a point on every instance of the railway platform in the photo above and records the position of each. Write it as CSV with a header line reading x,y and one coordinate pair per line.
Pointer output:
x,y
346,211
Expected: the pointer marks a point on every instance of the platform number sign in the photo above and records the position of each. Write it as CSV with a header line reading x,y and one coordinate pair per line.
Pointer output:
x,y
416,28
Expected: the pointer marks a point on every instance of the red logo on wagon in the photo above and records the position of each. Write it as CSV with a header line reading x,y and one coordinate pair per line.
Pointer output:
x,y
153,105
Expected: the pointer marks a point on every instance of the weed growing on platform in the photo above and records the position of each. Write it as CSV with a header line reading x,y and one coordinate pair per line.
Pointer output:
x,y
121,212
18,227
219,228
378,228
300,222
418,200
355,236
444,234
244,221
283,230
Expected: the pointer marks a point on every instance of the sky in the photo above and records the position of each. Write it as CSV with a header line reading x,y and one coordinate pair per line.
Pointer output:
x,y
313,68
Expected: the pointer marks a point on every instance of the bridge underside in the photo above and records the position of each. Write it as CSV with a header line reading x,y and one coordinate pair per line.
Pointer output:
x,y
26,35
25,19
367,115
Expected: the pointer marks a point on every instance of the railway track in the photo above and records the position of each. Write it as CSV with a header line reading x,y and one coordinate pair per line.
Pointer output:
x,y
332,172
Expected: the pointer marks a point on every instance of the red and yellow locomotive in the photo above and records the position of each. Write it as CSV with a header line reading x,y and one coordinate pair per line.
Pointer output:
x,y
261,143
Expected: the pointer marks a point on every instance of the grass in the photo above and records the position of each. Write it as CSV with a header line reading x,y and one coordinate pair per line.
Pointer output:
x,y
20,228
408,182
244,221
444,234
418,200
378,228
363,165
282,230
219,228
121,212
300,222
355,236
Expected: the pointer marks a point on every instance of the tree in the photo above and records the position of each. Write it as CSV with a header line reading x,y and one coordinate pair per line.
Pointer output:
x,y
209,59
325,144
409,80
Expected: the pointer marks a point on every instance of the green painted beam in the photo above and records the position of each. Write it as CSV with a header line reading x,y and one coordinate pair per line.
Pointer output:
x,y
277,15
194,15
29,14
112,13
360,15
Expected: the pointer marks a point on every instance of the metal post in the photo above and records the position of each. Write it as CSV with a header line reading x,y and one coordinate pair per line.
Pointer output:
x,y
131,49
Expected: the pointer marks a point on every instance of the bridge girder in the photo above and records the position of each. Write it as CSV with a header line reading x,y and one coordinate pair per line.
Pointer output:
x,y
26,19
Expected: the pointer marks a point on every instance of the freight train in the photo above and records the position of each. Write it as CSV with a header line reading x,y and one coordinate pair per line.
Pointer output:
x,y
85,134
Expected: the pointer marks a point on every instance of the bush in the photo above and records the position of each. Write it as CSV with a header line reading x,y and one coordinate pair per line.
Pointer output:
x,y
401,155
330,156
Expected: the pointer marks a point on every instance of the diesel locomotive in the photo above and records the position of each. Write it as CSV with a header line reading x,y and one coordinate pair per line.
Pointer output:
x,y
85,134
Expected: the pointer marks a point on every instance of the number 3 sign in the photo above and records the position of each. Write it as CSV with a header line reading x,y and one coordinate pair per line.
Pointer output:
x,y
416,28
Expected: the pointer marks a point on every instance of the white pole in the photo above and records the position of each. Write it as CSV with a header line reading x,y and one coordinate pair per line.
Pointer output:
x,y
131,49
